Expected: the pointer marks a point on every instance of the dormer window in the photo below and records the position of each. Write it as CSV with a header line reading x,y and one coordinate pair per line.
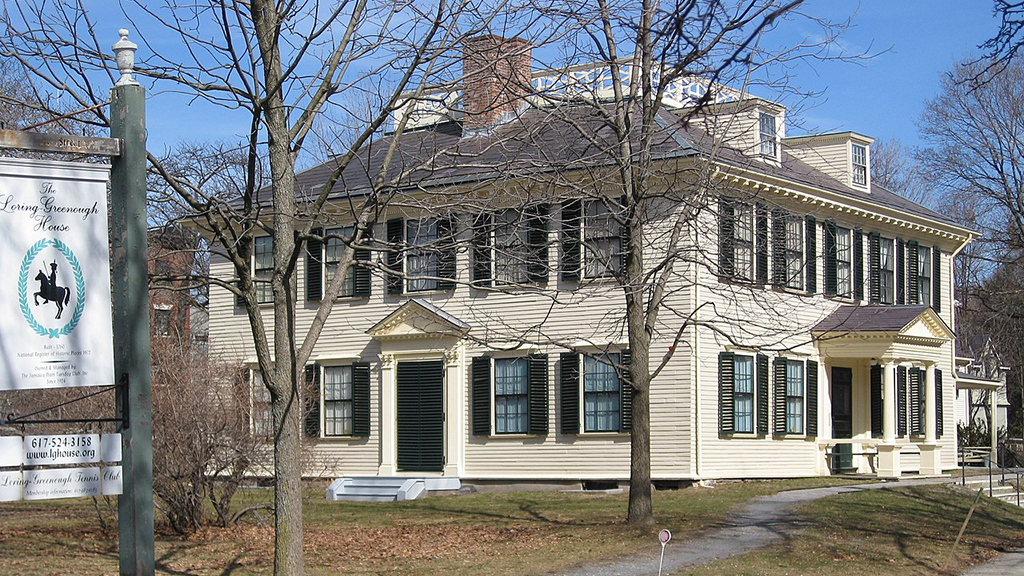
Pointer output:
x,y
769,146
860,165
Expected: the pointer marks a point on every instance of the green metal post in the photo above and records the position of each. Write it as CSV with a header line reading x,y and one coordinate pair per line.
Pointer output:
x,y
130,302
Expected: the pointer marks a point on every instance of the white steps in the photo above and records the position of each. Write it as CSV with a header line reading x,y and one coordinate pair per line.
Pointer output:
x,y
388,488
1005,492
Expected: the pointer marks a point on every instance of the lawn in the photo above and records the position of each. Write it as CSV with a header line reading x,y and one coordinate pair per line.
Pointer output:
x,y
515,533
885,532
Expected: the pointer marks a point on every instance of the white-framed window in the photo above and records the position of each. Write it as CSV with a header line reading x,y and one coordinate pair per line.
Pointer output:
x,y
794,252
860,164
161,320
600,394
334,247
794,397
767,134
743,241
844,262
511,396
263,268
261,419
511,247
924,275
602,241
421,259
887,270
337,400
743,394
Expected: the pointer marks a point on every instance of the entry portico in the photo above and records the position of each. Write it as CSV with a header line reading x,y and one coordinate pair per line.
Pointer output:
x,y
896,356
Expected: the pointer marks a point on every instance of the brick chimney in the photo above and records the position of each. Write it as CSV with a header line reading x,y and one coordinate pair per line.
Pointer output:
x,y
496,78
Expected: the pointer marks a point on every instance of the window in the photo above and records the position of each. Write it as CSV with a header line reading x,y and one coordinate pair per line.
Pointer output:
x,y
860,165
794,252
768,135
794,397
887,270
421,235
743,394
602,241
924,275
511,248
511,406
162,321
263,268
262,420
337,401
743,241
844,262
334,247
600,394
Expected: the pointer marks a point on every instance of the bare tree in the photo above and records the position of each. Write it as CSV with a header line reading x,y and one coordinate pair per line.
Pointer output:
x,y
894,167
279,68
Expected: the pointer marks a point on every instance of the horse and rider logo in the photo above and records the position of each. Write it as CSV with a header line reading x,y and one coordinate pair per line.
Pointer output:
x,y
50,290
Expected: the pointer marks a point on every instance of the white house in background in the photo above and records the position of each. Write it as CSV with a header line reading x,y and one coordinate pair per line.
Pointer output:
x,y
981,386
822,327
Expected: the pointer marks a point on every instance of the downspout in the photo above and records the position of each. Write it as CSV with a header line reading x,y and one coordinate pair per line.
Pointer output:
x,y
697,395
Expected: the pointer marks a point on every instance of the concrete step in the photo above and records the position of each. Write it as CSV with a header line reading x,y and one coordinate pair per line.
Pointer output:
x,y
387,488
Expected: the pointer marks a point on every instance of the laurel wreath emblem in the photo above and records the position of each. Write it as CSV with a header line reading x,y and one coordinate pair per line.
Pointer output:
x,y
76,268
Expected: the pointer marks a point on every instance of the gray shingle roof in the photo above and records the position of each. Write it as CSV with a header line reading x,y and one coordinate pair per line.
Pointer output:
x,y
869,319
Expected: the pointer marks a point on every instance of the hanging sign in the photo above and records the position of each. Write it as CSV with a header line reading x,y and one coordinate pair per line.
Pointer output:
x,y
54,275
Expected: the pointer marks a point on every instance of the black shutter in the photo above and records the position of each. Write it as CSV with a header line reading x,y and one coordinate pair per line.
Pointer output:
x,y
537,388
726,225
482,250
874,268
811,253
572,243
396,238
763,414
901,401
916,397
938,403
726,400
829,249
311,402
761,245
779,273
361,399
314,266
936,279
625,392
482,395
569,384
858,265
876,401
901,277
812,398
239,299
446,231
912,270
780,395
362,284
623,234
537,242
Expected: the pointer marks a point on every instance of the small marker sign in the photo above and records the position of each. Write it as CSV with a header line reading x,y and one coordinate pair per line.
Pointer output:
x,y
664,536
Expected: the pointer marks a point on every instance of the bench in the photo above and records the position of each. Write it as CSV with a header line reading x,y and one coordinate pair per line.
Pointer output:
x,y
830,452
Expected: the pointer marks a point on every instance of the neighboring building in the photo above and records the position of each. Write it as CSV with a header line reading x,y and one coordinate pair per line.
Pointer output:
x,y
814,308
981,385
173,308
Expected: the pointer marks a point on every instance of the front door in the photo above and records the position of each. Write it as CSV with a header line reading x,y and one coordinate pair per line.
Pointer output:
x,y
420,399
842,417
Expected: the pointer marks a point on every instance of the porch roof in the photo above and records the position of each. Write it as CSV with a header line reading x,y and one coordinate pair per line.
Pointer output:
x,y
965,381
874,331
878,318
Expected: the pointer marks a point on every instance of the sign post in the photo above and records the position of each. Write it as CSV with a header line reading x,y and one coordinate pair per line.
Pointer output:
x,y
664,537
131,315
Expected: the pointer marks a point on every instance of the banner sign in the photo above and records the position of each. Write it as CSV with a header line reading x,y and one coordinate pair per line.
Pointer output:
x,y
59,449
54,275
52,483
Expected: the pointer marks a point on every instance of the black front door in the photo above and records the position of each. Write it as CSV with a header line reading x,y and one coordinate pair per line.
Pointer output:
x,y
420,416
842,416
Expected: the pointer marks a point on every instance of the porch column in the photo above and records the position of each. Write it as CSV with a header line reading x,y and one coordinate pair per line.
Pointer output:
x,y
455,402
993,431
931,457
388,416
888,452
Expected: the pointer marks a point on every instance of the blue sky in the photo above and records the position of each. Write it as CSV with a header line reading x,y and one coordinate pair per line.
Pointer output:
x,y
915,42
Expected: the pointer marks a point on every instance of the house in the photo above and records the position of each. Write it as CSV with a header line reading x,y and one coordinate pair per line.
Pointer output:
x,y
808,326
174,311
981,387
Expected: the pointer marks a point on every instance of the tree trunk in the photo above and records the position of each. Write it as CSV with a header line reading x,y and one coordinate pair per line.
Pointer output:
x,y
640,511
288,556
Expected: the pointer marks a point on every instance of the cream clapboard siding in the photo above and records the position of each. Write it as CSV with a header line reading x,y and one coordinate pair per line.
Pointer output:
x,y
830,155
590,315
794,314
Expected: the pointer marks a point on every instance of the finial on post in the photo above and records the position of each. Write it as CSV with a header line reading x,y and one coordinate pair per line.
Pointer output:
x,y
124,53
